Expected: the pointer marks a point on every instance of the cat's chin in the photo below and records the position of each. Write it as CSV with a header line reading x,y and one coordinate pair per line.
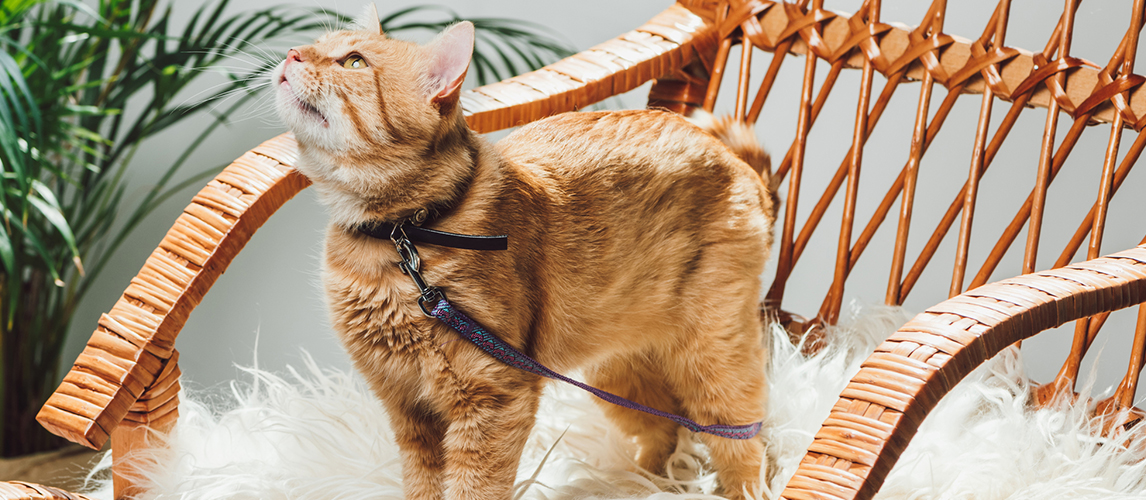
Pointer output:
x,y
293,106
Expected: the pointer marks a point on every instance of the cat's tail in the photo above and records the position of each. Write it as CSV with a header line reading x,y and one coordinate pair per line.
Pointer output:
x,y
741,139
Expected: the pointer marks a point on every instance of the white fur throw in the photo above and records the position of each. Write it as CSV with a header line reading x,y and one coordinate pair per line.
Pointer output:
x,y
319,434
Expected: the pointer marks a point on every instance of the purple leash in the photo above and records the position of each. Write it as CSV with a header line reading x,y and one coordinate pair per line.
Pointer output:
x,y
442,309
505,353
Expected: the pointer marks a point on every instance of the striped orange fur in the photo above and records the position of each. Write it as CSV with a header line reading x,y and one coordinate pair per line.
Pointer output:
x,y
636,241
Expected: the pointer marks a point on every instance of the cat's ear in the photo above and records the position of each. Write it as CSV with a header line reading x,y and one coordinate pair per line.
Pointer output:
x,y
368,20
450,56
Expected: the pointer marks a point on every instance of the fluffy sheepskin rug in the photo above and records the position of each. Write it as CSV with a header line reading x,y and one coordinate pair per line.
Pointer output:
x,y
319,434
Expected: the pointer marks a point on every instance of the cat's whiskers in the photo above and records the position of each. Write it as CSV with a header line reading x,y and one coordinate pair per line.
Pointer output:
x,y
249,83
260,108
243,86
230,73
263,110
326,17
263,62
253,83
225,70
263,55
258,104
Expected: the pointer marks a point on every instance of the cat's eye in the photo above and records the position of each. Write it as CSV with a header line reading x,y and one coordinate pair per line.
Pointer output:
x,y
354,62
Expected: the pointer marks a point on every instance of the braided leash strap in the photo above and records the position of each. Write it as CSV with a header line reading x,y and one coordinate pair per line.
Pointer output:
x,y
505,353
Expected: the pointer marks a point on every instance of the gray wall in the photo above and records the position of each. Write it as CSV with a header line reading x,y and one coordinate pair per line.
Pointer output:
x,y
271,294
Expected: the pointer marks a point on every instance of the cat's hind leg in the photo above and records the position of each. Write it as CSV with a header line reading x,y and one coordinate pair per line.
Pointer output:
x,y
636,377
718,376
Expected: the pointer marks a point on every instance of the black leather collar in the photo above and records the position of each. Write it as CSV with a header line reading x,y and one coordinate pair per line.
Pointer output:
x,y
385,231
414,232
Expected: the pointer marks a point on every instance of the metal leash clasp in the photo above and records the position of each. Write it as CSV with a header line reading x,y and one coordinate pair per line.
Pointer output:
x,y
410,264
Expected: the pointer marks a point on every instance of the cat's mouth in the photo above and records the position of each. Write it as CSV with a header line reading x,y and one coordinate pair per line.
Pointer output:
x,y
311,110
302,105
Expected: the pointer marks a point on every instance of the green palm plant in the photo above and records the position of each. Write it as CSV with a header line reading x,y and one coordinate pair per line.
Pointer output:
x,y
68,73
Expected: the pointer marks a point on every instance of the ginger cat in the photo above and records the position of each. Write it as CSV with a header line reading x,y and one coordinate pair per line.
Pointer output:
x,y
636,241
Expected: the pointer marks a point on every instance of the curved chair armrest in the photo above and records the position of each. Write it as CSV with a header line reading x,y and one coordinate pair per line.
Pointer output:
x,y
662,46
882,407
130,347
135,340
19,490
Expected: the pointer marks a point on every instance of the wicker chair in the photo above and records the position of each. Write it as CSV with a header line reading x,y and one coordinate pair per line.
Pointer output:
x,y
127,379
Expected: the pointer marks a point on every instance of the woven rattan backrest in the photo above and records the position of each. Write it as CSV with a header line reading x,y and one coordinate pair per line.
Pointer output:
x,y
884,404
1064,87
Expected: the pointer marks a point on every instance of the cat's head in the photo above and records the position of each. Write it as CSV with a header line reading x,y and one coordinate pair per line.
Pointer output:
x,y
365,108
354,87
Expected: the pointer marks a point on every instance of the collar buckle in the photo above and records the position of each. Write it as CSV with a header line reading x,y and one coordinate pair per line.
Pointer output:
x,y
410,264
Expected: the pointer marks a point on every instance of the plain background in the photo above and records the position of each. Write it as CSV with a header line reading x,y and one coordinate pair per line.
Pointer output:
x,y
269,304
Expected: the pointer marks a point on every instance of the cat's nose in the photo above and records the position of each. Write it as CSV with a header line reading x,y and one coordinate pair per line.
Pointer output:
x,y
294,55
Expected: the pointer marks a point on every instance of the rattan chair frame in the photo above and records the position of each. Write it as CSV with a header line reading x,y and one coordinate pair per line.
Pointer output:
x,y
125,383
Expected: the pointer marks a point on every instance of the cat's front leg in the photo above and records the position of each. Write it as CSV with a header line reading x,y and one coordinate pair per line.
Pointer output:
x,y
489,425
418,431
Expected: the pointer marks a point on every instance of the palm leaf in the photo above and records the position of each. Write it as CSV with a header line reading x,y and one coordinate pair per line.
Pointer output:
x,y
17,112
32,234
45,202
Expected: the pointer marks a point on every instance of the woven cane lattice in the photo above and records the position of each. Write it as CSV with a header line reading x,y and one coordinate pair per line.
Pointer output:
x,y
126,381
985,66
884,404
